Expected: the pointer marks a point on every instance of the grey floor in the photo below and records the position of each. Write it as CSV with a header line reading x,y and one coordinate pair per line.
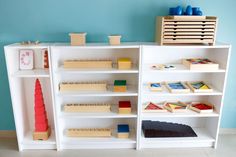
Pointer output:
x,y
226,148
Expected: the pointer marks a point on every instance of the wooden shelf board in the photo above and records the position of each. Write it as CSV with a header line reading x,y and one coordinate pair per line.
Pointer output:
x,y
32,73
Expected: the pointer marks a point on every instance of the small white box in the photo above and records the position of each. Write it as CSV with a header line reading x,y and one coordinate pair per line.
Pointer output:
x,y
26,59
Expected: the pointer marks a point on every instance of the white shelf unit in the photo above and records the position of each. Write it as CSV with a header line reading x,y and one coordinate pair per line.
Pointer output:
x,y
22,83
143,55
206,126
62,52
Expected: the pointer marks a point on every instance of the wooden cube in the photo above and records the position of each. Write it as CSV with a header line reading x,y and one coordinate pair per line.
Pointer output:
x,y
123,131
114,39
120,86
42,135
77,39
124,63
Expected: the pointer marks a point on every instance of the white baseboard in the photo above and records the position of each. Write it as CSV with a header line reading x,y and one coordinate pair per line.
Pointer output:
x,y
7,133
224,131
12,133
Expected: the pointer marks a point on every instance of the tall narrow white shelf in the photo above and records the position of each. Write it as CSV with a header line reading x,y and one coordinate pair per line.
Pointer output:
x,y
22,83
143,55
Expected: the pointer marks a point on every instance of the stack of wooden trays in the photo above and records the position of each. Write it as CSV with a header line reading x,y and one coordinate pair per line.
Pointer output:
x,y
186,30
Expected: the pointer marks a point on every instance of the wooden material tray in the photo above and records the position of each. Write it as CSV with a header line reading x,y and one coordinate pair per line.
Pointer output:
x,y
175,90
88,64
201,111
89,132
87,108
83,86
186,29
200,64
205,88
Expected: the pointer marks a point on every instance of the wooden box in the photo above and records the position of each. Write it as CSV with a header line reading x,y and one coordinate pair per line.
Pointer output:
x,y
176,106
88,64
124,107
114,39
89,132
177,87
120,86
199,87
123,131
124,63
87,108
200,64
77,39
83,86
155,87
153,107
201,107
186,30
42,135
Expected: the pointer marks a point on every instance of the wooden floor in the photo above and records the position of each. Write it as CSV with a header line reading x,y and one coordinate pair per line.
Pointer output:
x,y
226,148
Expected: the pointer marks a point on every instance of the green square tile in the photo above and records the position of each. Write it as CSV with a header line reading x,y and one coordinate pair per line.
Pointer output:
x,y
120,83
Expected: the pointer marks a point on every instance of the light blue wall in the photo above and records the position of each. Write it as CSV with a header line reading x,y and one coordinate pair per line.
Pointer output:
x,y
52,20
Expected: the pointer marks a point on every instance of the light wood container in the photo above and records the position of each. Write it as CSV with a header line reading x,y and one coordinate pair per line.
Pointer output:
x,y
87,108
106,64
89,132
114,39
83,86
186,30
78,39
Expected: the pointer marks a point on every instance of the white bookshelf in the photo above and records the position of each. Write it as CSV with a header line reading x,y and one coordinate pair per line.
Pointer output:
x,y
143,56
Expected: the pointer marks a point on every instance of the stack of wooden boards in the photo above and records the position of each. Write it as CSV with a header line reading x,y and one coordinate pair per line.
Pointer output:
x,y
186,29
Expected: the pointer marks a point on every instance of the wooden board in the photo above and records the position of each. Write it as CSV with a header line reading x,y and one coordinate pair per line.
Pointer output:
x,y
89,132
88,64
87,108
83,86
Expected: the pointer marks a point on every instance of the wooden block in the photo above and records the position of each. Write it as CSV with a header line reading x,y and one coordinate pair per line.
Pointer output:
x,y
87,108
120,88
124,63
201,107
89,132
114,39
83,86
42,135
106,64
175,106
200,64
124,110
199,87
177,87
77,39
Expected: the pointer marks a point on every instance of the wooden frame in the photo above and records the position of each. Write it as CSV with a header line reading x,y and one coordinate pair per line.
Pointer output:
x,y
204,87
185,88
200,64
89,132
83,86
199,110
173,109
88,64
87,108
